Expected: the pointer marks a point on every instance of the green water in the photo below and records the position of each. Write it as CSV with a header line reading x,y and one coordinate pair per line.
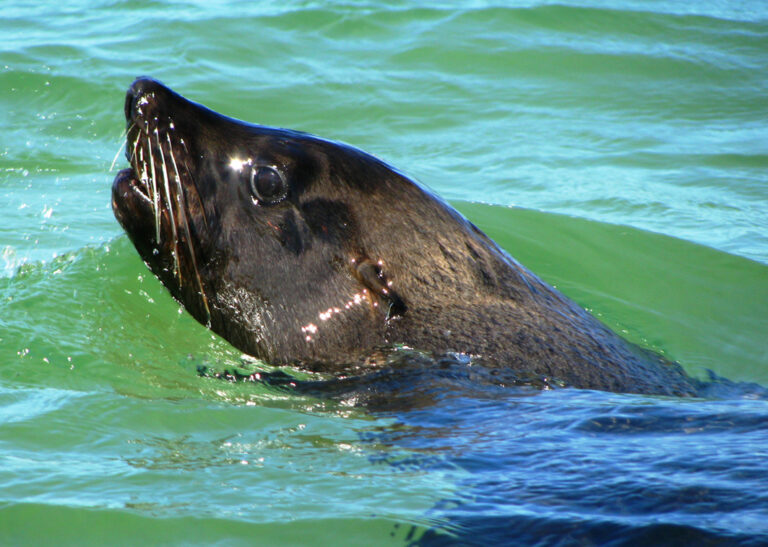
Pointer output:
x,y
621,153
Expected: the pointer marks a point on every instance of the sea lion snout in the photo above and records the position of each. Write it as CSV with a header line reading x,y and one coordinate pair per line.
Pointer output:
x,y
139,89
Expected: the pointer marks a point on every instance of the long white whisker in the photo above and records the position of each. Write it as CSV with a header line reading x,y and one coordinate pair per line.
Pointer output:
x,y
168,202
141,172
156,198
135,143
185,223
194,183
122,147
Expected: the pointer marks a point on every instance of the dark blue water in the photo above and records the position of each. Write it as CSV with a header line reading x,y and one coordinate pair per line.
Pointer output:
x,y
567,467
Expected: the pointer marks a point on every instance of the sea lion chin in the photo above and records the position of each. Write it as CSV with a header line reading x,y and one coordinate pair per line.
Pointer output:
x,y
304,251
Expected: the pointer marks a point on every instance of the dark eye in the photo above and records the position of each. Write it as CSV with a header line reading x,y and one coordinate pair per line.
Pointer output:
x,y
268,184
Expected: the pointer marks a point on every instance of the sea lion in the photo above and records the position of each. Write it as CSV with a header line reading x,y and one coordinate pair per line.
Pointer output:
x,y
304,251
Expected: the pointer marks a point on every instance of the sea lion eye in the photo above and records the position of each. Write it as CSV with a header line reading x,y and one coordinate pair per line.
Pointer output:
x,y
268,184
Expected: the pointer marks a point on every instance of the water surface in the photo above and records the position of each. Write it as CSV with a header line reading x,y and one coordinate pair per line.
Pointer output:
x,y
621,153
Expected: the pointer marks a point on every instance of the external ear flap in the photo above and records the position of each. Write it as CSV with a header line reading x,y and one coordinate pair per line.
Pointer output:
x,y
370,274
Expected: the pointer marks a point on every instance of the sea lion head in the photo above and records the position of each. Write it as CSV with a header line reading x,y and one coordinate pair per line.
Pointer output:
x,y
293,248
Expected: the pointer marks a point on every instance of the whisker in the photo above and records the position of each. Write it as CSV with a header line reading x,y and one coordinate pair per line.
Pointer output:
x,y
194,184
169,203
141,171
185,223
153,180
123,139
136,142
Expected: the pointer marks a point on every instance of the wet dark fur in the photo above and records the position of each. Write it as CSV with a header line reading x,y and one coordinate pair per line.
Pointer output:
x,y
279,281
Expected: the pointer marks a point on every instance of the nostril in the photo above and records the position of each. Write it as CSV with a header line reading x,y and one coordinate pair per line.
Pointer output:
x,y
141,87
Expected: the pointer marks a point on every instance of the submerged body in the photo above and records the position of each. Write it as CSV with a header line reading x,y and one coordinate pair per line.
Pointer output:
x,y
303,251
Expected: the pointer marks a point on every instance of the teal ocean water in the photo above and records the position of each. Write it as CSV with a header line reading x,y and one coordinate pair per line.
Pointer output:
x,y
619,150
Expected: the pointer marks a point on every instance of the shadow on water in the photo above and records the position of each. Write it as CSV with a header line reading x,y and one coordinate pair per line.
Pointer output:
x,y
589,468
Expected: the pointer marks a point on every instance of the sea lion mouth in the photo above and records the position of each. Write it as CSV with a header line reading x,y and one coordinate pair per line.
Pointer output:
x,y
151,199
